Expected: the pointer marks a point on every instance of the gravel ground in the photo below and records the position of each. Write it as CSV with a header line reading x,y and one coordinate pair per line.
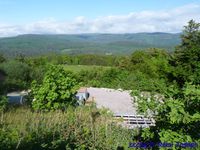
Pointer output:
x,y
118,101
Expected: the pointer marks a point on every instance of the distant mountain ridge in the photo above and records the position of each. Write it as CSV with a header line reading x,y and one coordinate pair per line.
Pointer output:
x,y
36,44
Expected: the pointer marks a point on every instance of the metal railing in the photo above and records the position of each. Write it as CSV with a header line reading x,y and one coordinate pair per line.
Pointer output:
x,y
134,121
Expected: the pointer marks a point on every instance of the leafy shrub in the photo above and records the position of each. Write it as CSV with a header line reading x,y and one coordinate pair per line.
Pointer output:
x,y
17,74
3,103
57,90
177,116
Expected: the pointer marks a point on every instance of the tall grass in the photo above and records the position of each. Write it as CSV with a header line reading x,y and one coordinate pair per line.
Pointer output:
x,y
78,128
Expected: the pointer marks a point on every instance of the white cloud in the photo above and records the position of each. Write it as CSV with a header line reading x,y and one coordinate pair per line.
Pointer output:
x,y
144,21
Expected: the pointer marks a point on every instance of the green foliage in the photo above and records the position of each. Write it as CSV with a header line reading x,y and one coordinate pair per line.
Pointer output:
x,y
56,91
101,60
144,70
3,103
187,55
16,70
120,78
170,82
38,73
2,58
77,129
89,68
17,74
153,62
177,117
116,72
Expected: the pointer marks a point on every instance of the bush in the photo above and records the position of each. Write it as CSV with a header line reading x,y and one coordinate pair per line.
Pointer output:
x,y
17,74
3,103
57,90
176,114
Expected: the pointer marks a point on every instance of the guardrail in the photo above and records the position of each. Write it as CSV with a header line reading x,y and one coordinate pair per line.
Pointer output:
x,y
134,121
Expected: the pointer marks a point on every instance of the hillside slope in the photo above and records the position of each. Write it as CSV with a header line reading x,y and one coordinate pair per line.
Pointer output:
x,y
86,43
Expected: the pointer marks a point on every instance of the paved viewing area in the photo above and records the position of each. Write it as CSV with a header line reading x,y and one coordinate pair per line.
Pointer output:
x,y
121,104
118,101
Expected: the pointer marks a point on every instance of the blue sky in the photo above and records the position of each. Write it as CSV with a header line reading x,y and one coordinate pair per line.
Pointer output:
x,y
22,11
78,15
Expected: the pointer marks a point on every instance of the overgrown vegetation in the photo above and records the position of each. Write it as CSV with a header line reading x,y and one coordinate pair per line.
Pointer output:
x,y
178,114
174,76
80,128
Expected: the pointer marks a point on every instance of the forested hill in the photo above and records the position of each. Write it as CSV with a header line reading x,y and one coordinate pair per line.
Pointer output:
x,y
32,44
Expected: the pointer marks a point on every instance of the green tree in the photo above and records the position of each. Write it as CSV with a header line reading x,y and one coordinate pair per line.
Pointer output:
x,y
17,74
56,91
177,115
187,55
2,58
152,62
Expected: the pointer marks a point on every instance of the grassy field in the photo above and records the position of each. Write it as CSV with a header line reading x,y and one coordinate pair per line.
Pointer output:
x,y
78,68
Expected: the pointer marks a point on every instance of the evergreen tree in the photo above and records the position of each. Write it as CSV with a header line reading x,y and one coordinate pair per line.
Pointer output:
x,y
187,55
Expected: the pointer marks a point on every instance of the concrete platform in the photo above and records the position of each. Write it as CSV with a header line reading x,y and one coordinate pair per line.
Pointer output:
x,y
118,101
